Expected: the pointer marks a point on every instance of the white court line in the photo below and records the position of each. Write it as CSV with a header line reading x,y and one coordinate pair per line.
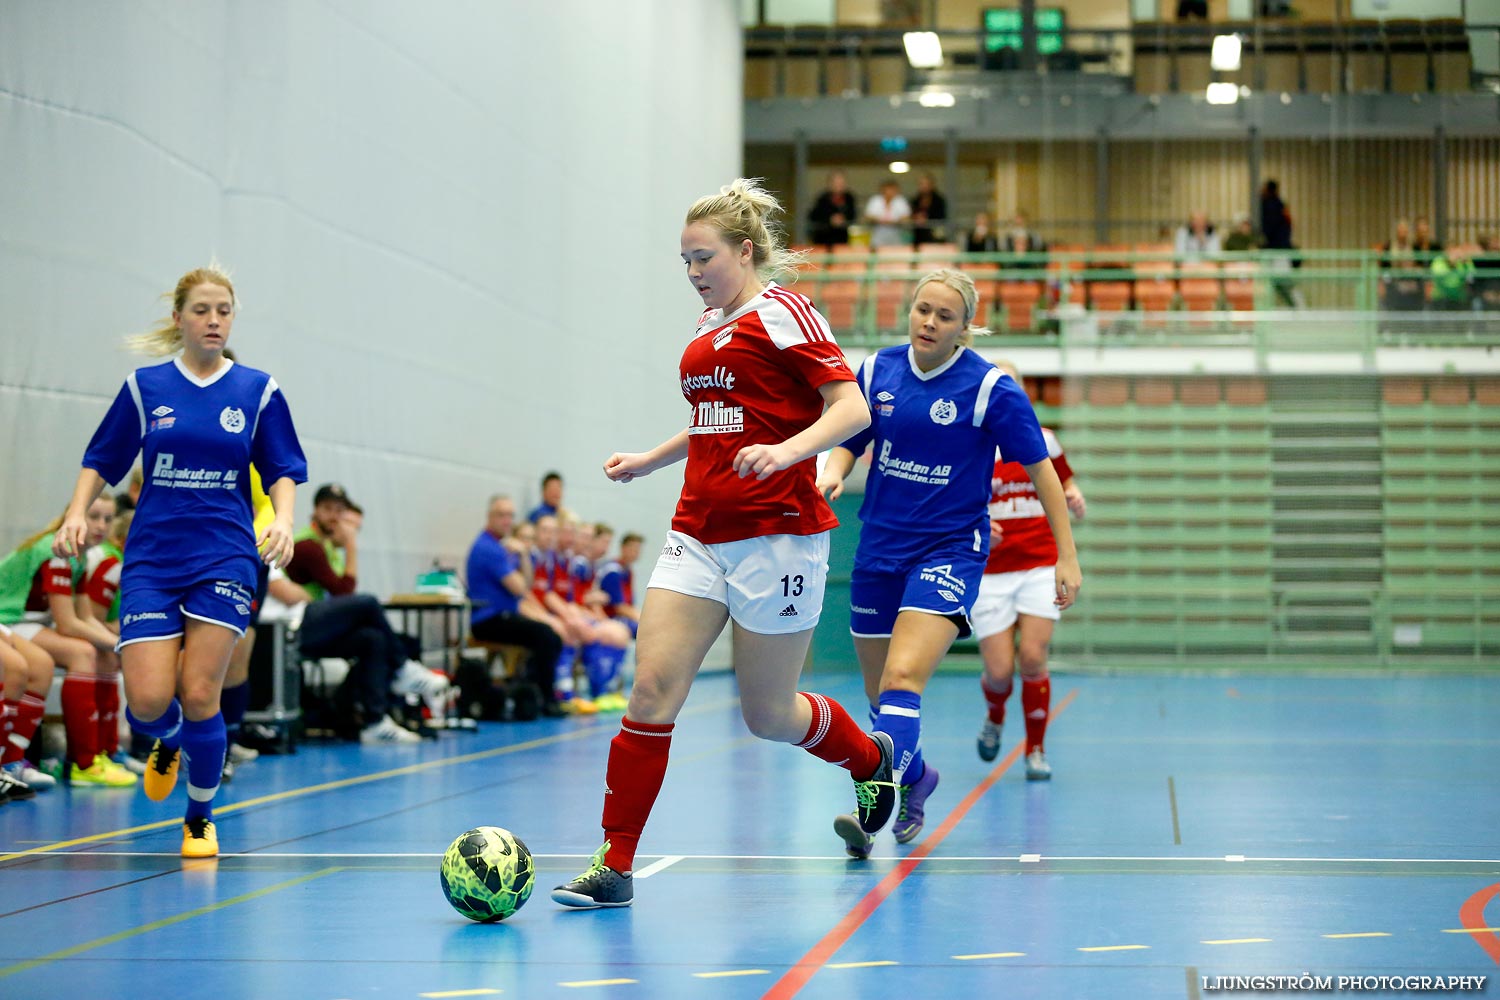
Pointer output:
x,y
658,865
674,858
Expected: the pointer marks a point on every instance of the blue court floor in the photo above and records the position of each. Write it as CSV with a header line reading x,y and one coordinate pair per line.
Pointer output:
x,y
1196,827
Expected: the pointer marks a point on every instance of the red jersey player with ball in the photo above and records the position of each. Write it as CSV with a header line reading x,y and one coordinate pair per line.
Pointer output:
x,y
768,389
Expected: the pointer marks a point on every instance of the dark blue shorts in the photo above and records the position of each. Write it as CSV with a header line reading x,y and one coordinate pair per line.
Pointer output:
x,y
151,609
944,581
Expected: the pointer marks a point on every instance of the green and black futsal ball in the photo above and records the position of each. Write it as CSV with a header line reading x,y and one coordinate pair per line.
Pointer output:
x,y
487,874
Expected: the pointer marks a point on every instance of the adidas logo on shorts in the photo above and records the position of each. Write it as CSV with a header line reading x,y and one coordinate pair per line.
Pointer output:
x,y
790,611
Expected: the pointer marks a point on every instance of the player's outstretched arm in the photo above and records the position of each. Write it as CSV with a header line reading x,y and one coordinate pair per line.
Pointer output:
x,y
1050,491
622,467
835,471
68,541
845,414
1076,503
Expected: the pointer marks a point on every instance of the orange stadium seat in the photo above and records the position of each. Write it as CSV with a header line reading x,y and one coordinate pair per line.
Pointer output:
x,y
1109,296
1239,285
1199,286
1020,299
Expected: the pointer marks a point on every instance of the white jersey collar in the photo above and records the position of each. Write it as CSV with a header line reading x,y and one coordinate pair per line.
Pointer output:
x,y
202,382
911,359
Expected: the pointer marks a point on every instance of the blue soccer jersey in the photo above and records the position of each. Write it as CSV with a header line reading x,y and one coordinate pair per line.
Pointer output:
x,y
935,435
196,438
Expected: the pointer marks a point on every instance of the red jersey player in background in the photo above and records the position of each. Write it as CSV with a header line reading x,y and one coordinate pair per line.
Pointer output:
x,y
1016,596
768,388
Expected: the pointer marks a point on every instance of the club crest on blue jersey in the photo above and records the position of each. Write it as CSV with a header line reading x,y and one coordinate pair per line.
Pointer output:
x,y
232,419
944,411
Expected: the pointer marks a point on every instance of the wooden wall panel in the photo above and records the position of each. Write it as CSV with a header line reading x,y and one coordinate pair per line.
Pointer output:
x,y
1473,188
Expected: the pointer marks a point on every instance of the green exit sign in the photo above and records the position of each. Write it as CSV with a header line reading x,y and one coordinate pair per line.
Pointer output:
x,y
1003,28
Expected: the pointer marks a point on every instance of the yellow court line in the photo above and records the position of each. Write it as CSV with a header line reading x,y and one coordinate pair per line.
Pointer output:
x,y
327,786
601,982
461,993
1238,941
993,954
859,965
1472,930
157,925
1118,947
1365,934
735,972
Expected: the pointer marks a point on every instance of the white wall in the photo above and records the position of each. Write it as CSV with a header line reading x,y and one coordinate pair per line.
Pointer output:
x,y
453,226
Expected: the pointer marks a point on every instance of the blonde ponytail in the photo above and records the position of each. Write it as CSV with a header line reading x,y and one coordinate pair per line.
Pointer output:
x,y
742,211
165,338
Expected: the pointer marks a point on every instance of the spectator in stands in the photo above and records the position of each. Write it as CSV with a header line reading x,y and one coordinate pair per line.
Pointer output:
x,y
325,559
929,210
1197,240
888,213
1276,234
981,238
1422,241
1487,273
833,211
1021,238
334,621
498,588
1403,284
552,498
1242,238
351,627
1452,280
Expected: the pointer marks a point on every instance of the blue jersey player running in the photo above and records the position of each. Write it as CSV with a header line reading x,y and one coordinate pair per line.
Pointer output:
x,y
198,421
938,411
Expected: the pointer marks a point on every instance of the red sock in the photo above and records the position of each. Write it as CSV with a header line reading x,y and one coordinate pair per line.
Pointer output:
x,y
637,766
80,718
29,712
107,701
1036,701
835,737
996,700
9,713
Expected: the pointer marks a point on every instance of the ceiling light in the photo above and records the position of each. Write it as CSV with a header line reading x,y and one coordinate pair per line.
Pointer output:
x,y
1223,93
936,99
924,50
1225,56
900,167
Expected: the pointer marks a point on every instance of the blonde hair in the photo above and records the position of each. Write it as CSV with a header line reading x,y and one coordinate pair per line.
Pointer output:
x,y
165,338
120,528
1008,367
964,286
740,211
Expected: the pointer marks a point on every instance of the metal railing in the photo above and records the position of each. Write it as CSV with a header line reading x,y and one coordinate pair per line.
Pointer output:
x,y
1114,293
1398,56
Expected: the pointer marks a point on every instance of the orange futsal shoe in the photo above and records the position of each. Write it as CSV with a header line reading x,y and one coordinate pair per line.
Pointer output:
x,y
161,772
199,839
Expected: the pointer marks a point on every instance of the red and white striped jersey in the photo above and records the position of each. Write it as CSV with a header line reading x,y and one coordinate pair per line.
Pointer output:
x,y
752,377
1027,541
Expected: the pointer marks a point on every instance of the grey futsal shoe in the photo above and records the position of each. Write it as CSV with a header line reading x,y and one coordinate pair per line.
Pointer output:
x,y
875,797
989,740
600,886
857,843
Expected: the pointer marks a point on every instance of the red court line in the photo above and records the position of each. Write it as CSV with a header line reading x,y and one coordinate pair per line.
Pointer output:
x,y
1471,916
798,975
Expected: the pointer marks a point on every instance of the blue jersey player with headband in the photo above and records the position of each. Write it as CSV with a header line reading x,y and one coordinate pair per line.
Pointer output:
x,y
198,421
939,411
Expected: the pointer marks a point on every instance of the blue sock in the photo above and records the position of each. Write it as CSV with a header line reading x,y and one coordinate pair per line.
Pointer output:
x,y
603,667
167,728
874,717
203,746
563,675
232,704
901,718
